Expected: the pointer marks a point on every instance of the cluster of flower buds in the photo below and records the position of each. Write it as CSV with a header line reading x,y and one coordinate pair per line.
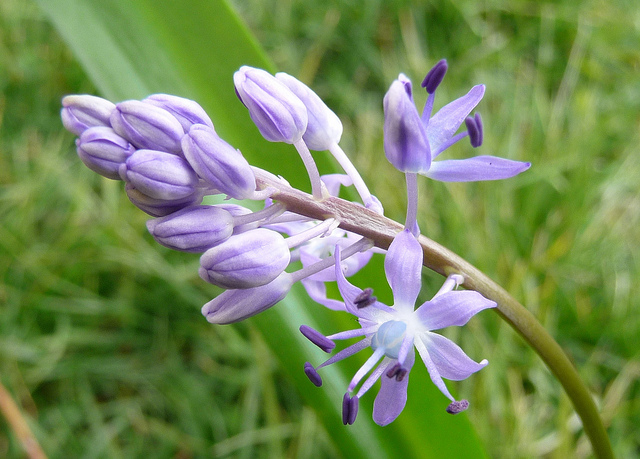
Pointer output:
x,y
168,154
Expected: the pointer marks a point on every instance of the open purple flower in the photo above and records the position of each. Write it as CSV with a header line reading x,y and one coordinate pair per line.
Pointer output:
x,y
393,332
412,141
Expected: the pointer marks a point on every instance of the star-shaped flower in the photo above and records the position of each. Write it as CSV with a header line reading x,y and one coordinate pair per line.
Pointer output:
x,y
393,332
412,142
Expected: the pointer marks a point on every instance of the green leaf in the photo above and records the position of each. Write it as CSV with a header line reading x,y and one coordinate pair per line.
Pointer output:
x,y
133,48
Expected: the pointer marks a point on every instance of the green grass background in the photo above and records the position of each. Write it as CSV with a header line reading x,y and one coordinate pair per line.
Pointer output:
x,y
101,340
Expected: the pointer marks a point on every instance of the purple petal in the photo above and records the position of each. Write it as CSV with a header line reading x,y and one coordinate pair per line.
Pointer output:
x,y
317,290
403,267
334,181
475,169
446,122
405,140
450,360
434,374
452,308
392,396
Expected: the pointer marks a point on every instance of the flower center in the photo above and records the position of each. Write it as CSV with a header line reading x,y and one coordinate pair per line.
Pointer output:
x,y
389,337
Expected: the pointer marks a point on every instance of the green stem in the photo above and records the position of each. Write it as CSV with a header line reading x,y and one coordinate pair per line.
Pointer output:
x,y
382,230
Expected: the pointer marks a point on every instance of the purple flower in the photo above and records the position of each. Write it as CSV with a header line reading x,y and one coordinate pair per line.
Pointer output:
x,y
236,305
147,126
246,260
187,112
412,141
393,332
277,112
192,229
324,127
82,111
103,151
218,163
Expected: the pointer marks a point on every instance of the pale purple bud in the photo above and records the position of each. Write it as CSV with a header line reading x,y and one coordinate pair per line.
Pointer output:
x,y
188,112
147,126
103,151
246,260
324,127
435,76
405,139
277,112
159,174
236,305
192,229
160,207
218,163
82,111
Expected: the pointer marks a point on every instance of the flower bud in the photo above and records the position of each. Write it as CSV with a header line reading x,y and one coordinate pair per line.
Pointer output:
x,y
405,140
193,229
246,260
159,175
103,151
160,207
81,111
277,112
236,305
187,112
238,211
147,126
218,163
324,127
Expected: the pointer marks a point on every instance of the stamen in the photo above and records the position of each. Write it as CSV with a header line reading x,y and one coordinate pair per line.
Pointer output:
x,y
435,76
474,127
349,409
317,338
458,406
365,298
397,371
312,374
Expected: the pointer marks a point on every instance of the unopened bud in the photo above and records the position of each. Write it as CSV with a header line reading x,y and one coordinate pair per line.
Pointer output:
x,y
188,112
103,151
81,111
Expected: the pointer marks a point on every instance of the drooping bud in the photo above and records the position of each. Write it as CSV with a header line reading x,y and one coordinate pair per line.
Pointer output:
x,y
435,76
324,127
188,112
218,163
246,260
317,338
405,140
82,111
159,175
147,126
160,207
277,112
103,151
236,305
192,229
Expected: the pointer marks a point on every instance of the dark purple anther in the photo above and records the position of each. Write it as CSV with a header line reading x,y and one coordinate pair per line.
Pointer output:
x,y
365,298
457,406
317,338
435,76
474,128
349,409
312,374
397,371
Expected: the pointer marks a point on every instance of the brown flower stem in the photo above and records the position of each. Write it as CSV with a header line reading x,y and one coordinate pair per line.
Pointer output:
x,y
19,425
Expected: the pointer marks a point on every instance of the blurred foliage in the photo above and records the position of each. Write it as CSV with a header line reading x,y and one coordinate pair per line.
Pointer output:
x,y
98,342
